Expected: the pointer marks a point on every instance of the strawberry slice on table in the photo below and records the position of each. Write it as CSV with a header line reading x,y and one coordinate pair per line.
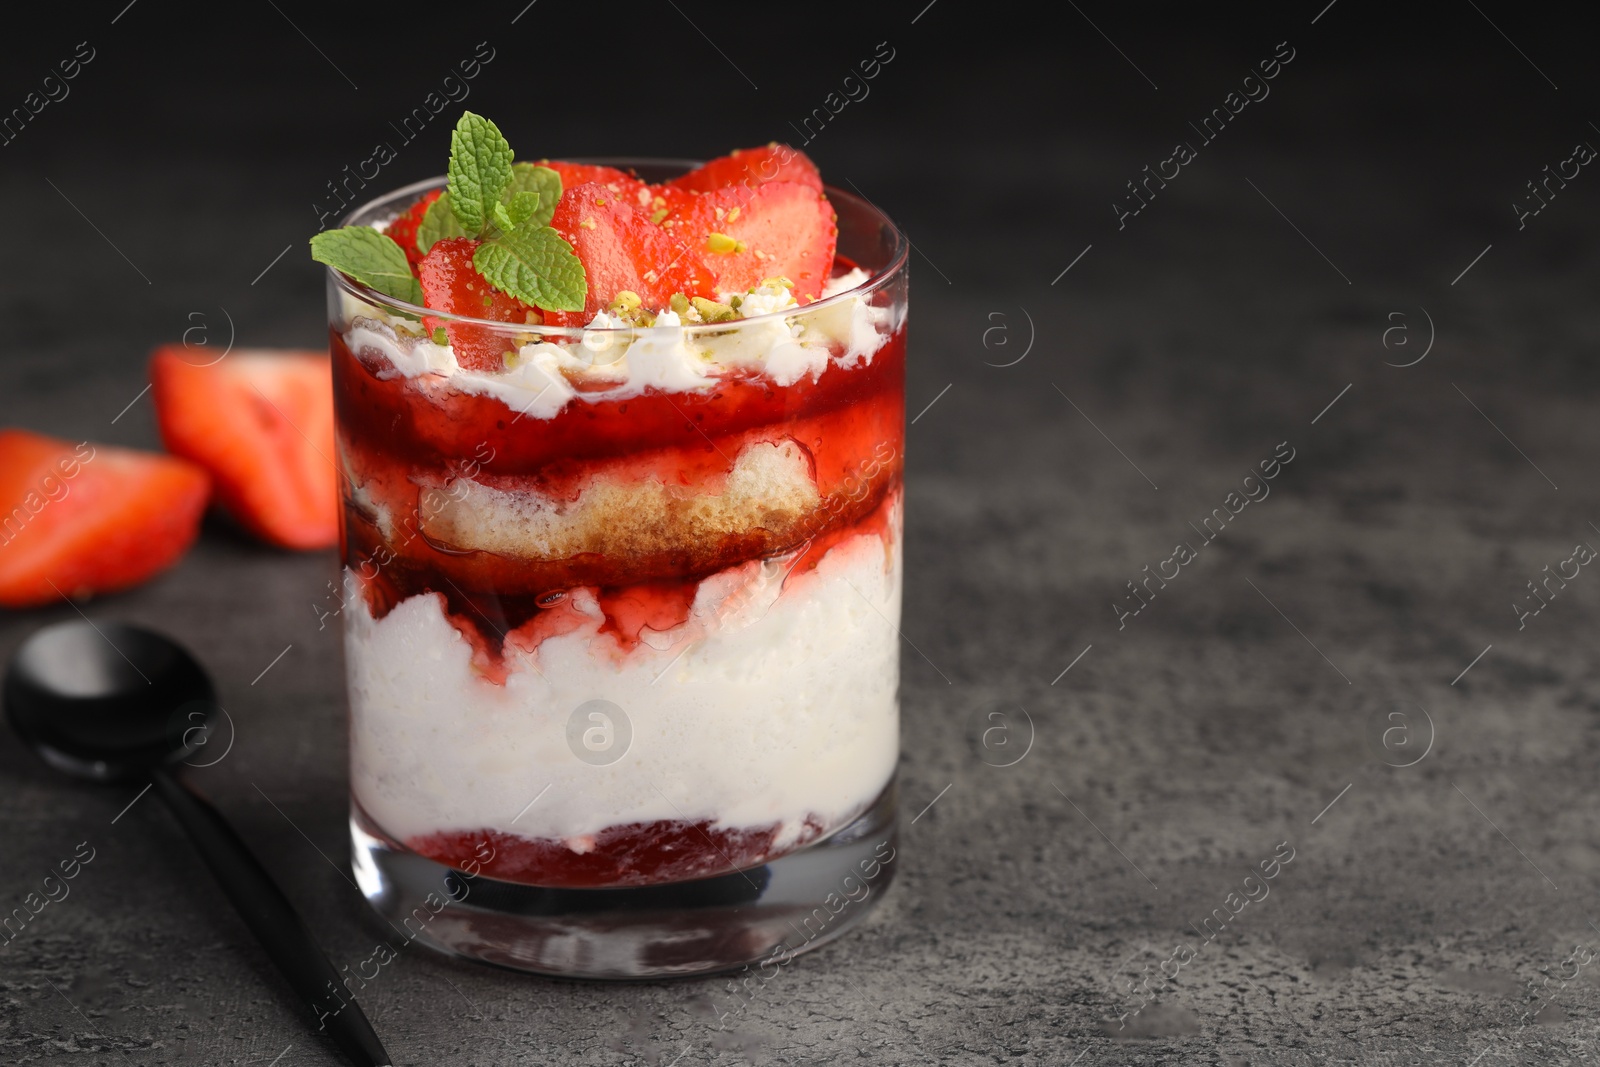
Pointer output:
x,y
620,249
261,422
622,183
404,228
780,229
83,519
752,166
451,283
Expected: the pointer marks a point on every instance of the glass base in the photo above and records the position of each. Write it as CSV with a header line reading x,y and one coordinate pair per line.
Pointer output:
x,y
764,915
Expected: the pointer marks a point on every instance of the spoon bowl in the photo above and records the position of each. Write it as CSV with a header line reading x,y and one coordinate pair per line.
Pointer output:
x,y
109,702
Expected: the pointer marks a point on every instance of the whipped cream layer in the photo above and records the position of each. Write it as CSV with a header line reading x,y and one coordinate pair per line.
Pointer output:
x,y
774,704
776,337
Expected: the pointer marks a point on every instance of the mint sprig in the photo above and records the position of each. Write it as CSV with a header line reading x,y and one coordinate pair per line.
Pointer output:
x,y
371,258
535,265
438,222
523,255
504,205
480,171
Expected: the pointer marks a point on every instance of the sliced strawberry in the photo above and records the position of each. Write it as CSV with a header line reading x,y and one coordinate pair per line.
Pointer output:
x,y
751,167
667,201
404,228
86,519
261,422
623,184
780,229
620,250
451,283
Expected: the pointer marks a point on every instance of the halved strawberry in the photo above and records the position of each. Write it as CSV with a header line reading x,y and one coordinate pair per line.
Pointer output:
x,y
77,520
620,250
623,184
780,229
404,228
753,166
261,422
451,283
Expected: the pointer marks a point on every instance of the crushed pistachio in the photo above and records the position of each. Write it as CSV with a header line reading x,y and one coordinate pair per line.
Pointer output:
x,y
440,337
626,300
711,311
679,303
733,213
735,300
721,244
587,224
776,283
657,215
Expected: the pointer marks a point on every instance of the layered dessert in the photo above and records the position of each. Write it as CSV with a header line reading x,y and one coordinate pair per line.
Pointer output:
x,y
622,506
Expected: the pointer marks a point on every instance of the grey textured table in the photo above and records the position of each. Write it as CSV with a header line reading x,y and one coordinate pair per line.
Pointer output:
x,y
1052,911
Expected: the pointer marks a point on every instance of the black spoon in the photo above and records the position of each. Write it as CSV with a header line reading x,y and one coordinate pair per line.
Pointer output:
x,y
119,703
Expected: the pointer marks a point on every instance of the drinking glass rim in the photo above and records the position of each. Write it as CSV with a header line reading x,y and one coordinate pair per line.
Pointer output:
x,y
367,294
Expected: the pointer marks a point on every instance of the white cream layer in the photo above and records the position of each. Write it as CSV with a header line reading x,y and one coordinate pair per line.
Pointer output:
x,y
786,342
761,709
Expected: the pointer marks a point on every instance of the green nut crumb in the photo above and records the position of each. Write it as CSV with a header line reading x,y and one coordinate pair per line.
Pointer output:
x,y
722,245
679,303
711,311
440,337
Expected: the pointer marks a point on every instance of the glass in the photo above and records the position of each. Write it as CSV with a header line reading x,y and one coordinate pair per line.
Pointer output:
x,y
621,621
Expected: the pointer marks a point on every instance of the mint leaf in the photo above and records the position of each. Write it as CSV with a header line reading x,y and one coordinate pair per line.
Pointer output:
x,y
371,258
521,208
438,222
536,266
528,178
480,171
503,220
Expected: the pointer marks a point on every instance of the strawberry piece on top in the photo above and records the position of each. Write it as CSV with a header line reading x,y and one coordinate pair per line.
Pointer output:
x,y
451,283
621,250
404,228
82,519
261,423
625,185
667,201
744,235
750,167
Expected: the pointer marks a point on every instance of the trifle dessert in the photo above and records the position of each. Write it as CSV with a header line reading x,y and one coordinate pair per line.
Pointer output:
x,y
621,454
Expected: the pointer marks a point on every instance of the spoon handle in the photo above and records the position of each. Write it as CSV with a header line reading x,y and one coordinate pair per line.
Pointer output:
x,y
275,923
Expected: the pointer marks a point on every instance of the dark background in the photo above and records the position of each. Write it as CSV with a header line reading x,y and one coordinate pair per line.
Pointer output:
x,y
1176,753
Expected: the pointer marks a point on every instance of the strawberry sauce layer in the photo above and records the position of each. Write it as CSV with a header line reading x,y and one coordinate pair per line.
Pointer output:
x,y
635,854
